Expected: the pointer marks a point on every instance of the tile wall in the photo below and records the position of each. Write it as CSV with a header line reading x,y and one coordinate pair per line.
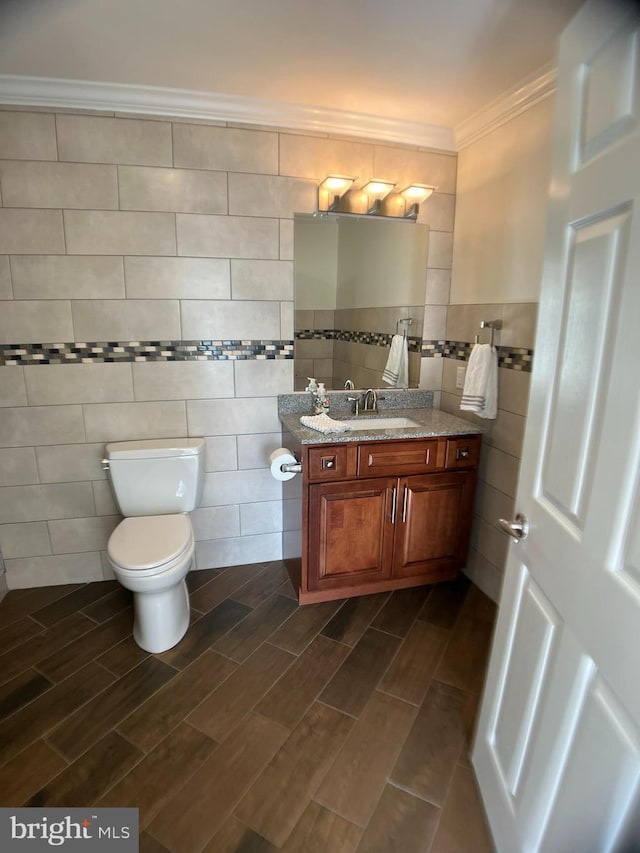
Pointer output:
x,y
502,442
154,258
501,214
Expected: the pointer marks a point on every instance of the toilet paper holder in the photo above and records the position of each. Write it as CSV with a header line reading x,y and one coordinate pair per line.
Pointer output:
x,y
284,464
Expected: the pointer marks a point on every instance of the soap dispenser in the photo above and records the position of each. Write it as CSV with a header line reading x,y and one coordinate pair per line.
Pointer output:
x,y
312,386
321,402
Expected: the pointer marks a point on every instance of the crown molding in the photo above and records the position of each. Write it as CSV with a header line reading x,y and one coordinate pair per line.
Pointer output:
x,y
54,93
525,95
185,103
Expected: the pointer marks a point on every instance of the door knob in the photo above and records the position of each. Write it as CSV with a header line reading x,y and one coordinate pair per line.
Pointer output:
x,y
518,529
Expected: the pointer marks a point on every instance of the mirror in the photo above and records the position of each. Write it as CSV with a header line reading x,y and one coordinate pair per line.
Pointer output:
x,y
355,278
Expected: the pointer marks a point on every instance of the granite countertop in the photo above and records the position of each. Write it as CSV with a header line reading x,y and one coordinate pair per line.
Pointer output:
x,y
432,422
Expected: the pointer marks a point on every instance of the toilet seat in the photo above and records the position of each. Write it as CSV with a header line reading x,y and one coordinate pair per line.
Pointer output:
x,y
151,544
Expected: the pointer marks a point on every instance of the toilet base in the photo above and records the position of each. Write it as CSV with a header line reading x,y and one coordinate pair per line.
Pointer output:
x,y
161,618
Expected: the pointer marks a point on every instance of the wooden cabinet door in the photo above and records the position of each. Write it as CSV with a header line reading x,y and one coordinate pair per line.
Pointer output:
x,y
433,523
350,533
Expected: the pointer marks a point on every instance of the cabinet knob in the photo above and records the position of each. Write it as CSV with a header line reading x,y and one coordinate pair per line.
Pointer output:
x,y
462,453
328,462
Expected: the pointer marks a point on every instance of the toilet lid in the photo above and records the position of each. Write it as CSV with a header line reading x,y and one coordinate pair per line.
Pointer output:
x,y
148,541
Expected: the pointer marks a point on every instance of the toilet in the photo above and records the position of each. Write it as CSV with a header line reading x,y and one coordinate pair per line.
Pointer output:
x,y
156,483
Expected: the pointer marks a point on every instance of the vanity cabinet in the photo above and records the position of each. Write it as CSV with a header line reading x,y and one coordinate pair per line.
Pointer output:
x,y
380,515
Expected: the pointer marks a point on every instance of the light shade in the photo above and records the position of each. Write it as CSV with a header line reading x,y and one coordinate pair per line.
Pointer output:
x,y
331,189
336,184
415,193
377,189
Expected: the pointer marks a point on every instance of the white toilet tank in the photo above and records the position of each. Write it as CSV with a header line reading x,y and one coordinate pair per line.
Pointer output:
x,y
157,476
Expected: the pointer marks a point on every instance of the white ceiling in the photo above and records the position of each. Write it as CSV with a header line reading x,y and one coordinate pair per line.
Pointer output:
x,y
435,61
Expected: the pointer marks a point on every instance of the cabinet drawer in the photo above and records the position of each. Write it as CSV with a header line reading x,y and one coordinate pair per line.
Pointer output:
x,y
463,452
328,463
397,457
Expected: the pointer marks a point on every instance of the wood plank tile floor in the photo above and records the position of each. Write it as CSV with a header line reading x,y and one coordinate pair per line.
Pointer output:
x,y
334,727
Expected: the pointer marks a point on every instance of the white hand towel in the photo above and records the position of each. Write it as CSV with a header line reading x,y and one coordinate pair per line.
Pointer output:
x,y
397,370
480,392
323,424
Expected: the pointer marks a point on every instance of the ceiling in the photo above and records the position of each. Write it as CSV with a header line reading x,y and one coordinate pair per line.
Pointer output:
x,y
435,61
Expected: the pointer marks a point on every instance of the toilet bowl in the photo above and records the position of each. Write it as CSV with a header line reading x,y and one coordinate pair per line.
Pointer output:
x,y
151,556
151,551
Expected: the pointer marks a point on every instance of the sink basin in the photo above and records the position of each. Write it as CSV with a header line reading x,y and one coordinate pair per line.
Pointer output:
x,y
370,424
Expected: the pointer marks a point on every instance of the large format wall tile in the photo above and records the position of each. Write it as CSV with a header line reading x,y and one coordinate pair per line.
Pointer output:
x,y
230,320
6,291
216,553
27,136
42,571
266,195
315,158
265,517
52,384
262,279
215,522
70,463
263,378
31,232
222,453
30,426
97,139
72,185
177,278
129,421
519,324
254,450
440,249
66,277
126,320
225,149
183,190
35,321
181,380
232,417
12,388
226,236
40,503
94,232
82,534
28,539
438,287
438,211
18,466
246,486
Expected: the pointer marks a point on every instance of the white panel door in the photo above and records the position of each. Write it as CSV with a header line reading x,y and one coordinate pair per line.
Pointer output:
x,y
557,752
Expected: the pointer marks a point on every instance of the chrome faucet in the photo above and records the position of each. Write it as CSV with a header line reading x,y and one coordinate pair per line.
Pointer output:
x,y
356,404
370,401
348,385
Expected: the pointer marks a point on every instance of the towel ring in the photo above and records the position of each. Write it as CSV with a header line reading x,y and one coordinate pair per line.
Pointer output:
x,y
406,321
494,325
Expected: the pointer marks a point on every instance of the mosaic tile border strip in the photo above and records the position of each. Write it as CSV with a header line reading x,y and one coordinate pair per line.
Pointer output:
x,y
376,339
104,352
511,358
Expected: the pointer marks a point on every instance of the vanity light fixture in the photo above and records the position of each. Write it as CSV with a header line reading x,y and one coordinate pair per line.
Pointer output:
x,y
336,194
331,190
375,191
413,195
